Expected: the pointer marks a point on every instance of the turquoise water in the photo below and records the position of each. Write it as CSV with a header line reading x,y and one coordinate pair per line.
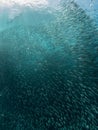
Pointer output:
x,y
48,68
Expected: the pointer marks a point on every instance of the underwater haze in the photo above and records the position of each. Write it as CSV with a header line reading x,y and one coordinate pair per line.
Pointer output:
x,y
48,65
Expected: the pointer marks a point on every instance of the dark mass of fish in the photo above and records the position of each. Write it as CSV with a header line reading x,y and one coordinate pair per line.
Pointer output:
x,y
49,74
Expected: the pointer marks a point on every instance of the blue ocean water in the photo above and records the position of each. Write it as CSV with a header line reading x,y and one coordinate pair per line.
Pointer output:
x,y
48,67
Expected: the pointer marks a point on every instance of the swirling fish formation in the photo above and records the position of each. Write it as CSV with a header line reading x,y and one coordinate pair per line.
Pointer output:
x,y
49,71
